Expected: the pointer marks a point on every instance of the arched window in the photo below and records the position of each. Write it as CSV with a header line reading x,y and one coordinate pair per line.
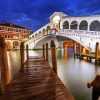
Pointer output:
x,y
74,25
48,28
39,32
66,25
15,44
43,30
83,25
95,26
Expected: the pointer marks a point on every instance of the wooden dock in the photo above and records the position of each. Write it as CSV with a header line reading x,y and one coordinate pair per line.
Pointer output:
x,y
37,82
88,56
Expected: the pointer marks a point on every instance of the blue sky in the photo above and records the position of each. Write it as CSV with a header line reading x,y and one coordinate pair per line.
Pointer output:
x,y
35,13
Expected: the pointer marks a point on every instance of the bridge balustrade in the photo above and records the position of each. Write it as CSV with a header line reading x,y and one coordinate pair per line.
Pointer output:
x,y
79,33
85,38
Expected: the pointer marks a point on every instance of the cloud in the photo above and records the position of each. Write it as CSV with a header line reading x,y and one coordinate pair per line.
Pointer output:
x,y
36,13
90,7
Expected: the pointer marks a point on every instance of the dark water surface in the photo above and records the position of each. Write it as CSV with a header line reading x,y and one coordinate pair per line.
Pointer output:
x,y
74,73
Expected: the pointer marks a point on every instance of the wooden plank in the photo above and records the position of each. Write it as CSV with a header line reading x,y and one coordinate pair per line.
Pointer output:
x,y
37,82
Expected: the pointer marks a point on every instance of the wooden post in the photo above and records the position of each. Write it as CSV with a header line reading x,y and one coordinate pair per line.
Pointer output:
x,y
53,54
27,52
80,51
43,51
47,51
96,52
22,55
74,48
95,82
5,79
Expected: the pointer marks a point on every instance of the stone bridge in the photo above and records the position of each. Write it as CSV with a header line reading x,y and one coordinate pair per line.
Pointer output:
x,y
83,29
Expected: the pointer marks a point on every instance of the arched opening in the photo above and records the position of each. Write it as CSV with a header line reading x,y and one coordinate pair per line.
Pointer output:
x,y
15,45
66,25
39,32
95,26
48,29
74,25
44,32
83,25
36,34
33,36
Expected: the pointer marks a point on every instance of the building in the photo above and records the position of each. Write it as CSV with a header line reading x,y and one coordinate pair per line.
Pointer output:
x,y
84,30
14,34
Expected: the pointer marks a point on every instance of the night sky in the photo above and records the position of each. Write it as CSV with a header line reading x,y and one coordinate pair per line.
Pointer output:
x,y
35,13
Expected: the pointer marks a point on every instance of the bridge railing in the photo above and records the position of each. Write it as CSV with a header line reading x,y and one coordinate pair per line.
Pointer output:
x,y
34,39
94,34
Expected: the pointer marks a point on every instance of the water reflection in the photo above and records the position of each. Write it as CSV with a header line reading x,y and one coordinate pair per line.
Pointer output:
x,y
14,61
73,72
65,53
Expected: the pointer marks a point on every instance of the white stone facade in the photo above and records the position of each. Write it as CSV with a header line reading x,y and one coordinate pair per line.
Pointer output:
x,y
83,29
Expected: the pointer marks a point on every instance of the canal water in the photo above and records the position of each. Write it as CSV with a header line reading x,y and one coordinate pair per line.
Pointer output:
x,y
73,72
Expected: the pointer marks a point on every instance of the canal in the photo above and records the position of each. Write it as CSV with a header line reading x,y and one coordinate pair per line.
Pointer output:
x,y
73,72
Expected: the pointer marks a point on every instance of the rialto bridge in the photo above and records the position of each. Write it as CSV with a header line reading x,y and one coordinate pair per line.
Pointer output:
x,y
83,29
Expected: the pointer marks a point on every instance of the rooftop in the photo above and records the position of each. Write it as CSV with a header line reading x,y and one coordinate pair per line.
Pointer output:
x,y
4,23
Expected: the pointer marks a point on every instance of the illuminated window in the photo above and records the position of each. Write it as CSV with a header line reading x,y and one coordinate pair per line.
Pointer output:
x,y
56,19
5,36
8,36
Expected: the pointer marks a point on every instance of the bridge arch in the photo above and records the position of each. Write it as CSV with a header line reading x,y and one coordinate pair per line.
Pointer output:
x,y
95,26
83,25
66,25
75,39
74,25
34,43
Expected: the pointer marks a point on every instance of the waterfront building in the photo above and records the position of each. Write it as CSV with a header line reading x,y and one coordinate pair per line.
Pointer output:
x,y
14,34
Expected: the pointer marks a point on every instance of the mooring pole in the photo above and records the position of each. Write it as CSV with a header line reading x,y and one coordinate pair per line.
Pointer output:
x,y
22,55
5,75
27,52
43,51
95,82
46,51
74,49
96,52
53,54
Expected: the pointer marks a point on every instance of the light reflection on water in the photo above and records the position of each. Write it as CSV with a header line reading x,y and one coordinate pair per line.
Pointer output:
x,y
14,61
73,72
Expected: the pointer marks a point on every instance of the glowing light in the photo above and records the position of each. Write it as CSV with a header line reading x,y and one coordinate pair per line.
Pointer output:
x,y
56,19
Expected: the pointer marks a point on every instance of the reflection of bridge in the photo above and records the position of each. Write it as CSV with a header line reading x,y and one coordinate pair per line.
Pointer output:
x,y
84,30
